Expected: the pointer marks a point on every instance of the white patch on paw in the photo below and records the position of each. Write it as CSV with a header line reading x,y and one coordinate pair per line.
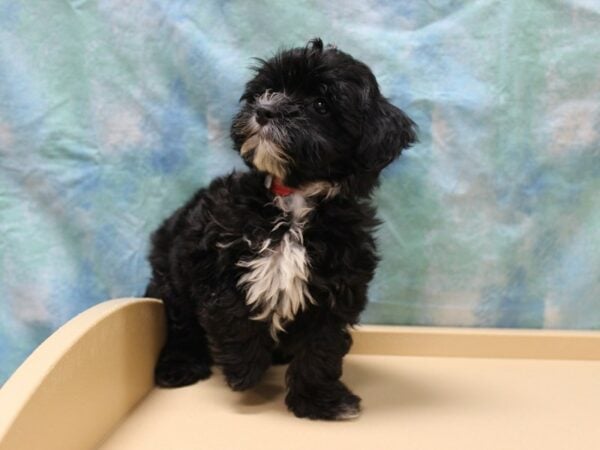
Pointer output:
x,y
348,412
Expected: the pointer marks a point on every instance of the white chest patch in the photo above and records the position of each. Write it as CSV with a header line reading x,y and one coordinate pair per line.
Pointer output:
x,y
276,281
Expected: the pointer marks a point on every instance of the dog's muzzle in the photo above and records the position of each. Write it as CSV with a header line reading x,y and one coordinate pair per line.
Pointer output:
x,y
263,115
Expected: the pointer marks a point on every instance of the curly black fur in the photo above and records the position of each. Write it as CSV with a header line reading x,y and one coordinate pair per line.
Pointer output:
x,y
327,127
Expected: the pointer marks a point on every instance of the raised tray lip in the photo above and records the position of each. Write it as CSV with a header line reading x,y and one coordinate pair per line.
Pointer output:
x,y
33,374
477,342
398,340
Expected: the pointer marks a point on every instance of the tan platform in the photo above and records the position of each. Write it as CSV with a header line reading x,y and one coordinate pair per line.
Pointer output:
x,y
422,388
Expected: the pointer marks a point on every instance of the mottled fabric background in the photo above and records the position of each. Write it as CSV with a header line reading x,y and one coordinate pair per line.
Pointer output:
x,y
112,112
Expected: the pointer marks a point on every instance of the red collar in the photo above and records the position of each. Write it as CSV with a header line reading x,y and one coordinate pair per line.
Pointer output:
x,y
278,188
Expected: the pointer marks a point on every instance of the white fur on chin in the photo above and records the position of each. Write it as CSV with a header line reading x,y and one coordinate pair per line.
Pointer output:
x,y
268,156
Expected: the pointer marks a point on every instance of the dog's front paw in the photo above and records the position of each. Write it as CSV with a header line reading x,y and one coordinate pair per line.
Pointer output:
x,y
332,401
240,378
175,370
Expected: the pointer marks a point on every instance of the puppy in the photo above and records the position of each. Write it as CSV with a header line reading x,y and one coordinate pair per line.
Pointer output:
x,y
272,265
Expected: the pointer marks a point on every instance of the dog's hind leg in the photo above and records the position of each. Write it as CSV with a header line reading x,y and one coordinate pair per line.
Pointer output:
x,y
185,358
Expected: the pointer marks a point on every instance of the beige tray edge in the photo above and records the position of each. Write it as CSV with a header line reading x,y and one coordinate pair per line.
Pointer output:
x,y
84,378
476,342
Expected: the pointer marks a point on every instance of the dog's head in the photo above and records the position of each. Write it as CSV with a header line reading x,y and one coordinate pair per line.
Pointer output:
x,y
316,114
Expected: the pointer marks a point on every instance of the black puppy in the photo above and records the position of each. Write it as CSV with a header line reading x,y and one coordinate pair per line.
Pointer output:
x,y
272,265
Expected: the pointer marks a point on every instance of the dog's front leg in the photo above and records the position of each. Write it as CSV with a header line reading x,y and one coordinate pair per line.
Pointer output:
x,y
242,347
313,377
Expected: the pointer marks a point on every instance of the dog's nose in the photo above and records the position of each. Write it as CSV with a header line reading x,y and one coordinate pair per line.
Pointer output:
x,y
263,115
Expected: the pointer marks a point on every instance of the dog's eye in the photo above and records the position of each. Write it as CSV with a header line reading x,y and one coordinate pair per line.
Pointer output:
x,y
321,106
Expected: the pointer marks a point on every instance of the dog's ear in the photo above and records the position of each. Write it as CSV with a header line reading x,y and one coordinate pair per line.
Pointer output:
x,y
386,132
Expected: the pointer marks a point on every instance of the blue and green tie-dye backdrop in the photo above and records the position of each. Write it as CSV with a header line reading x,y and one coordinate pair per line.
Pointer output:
x,y
112,112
